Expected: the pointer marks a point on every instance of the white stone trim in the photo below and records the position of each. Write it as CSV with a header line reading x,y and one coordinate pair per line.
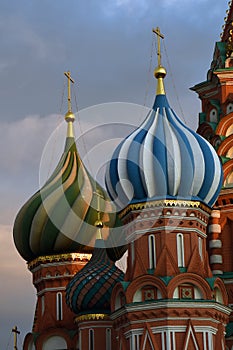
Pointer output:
x,y
54,289
215,214
170,304
182,329
214,228
58,263
205,340
215,243
191,334
86,325
170,230
227,281
49,278
216,259
168,340
217,272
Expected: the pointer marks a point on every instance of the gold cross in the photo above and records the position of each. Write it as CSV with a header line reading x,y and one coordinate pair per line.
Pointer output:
x,y
67,74
159,36
16,332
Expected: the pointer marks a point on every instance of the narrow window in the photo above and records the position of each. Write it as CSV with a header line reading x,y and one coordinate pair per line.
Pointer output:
x,y
108,339
137,342
152,253
42,305
91,339
180,249
80,340
134,345
200,247
132,342
59,306
132,253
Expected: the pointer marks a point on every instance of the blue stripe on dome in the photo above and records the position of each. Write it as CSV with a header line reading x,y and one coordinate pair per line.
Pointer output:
x,y
209,164
209,167
160,102
216,193
133,163
187,159
113,173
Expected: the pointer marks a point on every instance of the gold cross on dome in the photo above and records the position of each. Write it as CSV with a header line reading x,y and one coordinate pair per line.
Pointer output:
x,y
159,36
67,74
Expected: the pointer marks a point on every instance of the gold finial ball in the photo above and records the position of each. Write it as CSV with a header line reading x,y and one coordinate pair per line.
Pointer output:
x,y
160,72
70,117
99,224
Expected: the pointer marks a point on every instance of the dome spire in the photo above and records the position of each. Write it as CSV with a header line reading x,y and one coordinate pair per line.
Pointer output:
x,y
69,117
99,223
160,71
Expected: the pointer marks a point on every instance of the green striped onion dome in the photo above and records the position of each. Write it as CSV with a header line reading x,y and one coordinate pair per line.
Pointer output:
x,y
60,217
90,289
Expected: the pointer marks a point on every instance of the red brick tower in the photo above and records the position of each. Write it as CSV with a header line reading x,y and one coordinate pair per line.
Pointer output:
x,y
88,295
169,177
55,232
215,124
53,326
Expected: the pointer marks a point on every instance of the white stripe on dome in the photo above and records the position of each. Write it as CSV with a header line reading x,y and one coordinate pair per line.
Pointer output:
x,y
122,161
148,159
173,157
199,164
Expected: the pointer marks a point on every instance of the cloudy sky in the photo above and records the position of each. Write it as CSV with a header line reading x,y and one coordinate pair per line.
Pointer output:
x,y
107,46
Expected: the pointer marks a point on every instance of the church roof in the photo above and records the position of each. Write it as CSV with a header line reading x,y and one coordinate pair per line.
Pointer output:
x,y
163,159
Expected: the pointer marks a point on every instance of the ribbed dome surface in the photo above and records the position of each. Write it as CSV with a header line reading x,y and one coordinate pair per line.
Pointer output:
x,y
163,159
90,289
60,217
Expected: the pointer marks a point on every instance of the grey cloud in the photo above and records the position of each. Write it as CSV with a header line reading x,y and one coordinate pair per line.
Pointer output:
x,y
109,56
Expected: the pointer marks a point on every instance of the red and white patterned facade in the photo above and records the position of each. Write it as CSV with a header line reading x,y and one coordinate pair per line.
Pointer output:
x,y
215,124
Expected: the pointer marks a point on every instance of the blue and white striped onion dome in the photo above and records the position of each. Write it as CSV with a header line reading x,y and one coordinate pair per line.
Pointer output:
x,y
163,159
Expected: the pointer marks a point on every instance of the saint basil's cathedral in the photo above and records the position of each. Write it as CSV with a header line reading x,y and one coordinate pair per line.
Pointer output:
x,y
169,202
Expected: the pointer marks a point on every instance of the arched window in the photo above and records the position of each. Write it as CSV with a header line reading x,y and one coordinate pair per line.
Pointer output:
x,y
229,108
108,339
91,339
42,305
213,115
59,306
80,340
132,253
152,252
200,247
54,342
180,249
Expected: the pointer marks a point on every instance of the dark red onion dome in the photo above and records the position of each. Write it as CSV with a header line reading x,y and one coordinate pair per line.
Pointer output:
x,y
90,289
